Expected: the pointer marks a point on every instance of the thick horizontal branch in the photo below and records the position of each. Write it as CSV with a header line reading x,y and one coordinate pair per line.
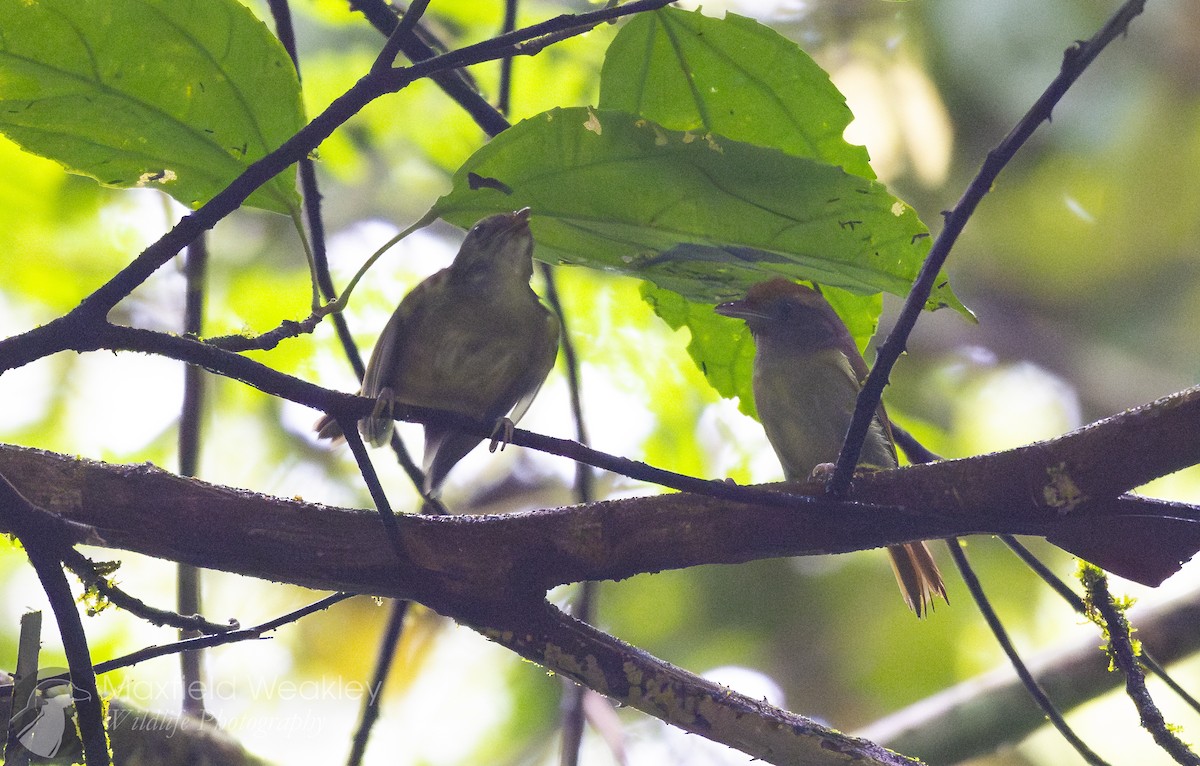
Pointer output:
x,y
476,565
1098,462
491,572
1101,460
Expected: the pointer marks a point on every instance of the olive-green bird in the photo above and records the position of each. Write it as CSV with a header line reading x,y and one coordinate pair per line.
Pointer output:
x,y
472,338
807,375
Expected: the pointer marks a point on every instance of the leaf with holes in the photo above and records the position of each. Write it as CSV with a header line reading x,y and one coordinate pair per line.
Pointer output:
x,y
181,95
702,215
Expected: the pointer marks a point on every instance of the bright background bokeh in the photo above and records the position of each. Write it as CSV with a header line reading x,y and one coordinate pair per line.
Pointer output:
x,y
1081,266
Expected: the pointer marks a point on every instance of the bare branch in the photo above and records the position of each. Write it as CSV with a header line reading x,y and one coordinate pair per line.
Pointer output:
x,y
984,713
492,572
1077,59
599,661
25,520
1035,690
463,565
1123,653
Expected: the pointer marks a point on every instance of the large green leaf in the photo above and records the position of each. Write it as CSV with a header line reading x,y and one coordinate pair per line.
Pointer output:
x,y
702,215
178,94
736,78
733,77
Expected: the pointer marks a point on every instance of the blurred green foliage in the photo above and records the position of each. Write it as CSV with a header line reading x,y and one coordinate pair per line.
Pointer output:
x,y
1080,265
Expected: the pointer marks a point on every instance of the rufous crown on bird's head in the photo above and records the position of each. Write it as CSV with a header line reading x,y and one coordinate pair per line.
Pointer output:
x,y
780,287
779,304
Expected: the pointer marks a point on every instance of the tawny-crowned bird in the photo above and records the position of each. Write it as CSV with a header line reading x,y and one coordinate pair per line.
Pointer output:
x,y
807,375
472,338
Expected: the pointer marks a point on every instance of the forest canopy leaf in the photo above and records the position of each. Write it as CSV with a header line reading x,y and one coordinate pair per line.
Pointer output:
x,y
181,95
736,78
702,215
733,77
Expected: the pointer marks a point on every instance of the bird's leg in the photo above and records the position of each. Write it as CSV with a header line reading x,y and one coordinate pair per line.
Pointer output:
x,y
505,426
822,472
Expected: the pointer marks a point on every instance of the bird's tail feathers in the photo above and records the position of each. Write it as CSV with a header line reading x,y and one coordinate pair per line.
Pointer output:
x,y
444,447
328,428
918,576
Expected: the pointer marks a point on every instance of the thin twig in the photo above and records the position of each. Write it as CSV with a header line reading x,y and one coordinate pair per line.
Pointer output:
x,y
1076,59
386,654
1079,605
367,470
1124,657
424,45
91,577
316,227
311,195
395,42
504,99
43,546
188,585
1027,680
573,712
234,636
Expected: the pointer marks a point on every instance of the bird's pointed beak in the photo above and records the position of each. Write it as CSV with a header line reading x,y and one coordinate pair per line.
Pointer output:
x,y
518,221
738,310
729,309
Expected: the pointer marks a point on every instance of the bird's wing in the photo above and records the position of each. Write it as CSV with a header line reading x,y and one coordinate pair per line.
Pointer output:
x,y
382,367
539,368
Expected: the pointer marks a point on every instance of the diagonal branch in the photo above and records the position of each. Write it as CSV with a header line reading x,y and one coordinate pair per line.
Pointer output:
x,y
1076,59
987,712
43,546
598,661
1123,654
1035,690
